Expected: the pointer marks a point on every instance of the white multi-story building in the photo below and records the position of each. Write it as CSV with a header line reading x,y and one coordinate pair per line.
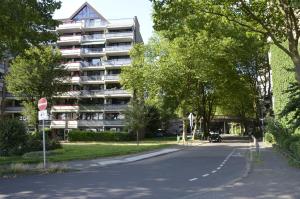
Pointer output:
x,y
95,49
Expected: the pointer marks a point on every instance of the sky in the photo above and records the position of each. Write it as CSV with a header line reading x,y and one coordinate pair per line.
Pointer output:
x,y
114,9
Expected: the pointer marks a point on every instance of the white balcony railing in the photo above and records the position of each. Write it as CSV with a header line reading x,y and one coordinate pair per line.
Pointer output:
x,y
60,124
118,48
118,122
71,25
95,24
112,77
65,108
114,62
90,123
91,107
92,92
70,52
119,34
114,107
71,39
116,92
92,78
71,94
88,51
73,66
93,37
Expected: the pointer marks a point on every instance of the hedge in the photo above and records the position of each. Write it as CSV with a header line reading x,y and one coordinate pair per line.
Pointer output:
x,y
77,135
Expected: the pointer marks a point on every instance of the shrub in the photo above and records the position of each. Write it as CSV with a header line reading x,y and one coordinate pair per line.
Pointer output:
x,y
78,135
269,138
35,142
13,137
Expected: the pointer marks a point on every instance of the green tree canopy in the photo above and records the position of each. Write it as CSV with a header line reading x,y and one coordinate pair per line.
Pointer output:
x,y
26,23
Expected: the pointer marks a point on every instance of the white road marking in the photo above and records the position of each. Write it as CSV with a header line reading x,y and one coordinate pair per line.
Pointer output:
x,y
193,179
214,171
219,167
205,175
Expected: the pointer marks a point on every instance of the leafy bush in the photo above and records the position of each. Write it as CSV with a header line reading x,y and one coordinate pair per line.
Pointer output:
x,y
35,142
77,135
13,137
269,138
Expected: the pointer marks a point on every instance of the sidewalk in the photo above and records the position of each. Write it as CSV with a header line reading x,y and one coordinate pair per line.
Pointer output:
x,y
270,178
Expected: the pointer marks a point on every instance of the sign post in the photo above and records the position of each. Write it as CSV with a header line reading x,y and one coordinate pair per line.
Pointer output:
x,y
43,115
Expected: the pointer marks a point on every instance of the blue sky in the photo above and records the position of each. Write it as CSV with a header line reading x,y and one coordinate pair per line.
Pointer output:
x,y
114,9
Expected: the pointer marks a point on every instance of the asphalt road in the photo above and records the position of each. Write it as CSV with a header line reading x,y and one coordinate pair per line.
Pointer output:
x,y
178,175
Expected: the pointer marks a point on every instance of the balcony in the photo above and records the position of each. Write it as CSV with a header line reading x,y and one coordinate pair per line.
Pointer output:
x,y
118,50
115,107
61,124
117,62
92,93
114,122
120,36
70,26
92,66
92,79
112,78
90,123
13,109
95,25
71,94
69,40
10,96
73,66
93,39
117,92
91,52
70,52
64,108
91,108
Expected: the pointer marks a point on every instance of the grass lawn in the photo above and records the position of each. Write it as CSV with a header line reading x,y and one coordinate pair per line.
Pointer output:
x,y
90,150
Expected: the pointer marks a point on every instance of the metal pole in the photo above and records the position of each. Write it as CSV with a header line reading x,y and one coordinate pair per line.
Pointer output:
x,y
224,128
44,144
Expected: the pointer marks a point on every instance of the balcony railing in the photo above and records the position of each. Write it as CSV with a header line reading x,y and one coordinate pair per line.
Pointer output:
x,y
71,94
13,109
95,24
65,108
98,123
60,124
92,92
118,122
93,37
112,77
71,25
91,64
114,62
92,78
92,50
91,107
119,34
118,48
73,65
75,79
116,92
1,67
72,38
66,52
114,107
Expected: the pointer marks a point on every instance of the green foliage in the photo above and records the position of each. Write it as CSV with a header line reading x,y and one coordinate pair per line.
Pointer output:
x,y
270,138
282,76
29,110
26,23
35,142
291,111
37,73
77,135
13,137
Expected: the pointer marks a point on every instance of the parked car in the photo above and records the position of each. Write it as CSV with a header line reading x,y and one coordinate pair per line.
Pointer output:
x,y
214,137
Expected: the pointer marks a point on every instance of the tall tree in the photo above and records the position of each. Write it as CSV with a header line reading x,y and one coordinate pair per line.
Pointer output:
x,y
278,20
26,23
35,74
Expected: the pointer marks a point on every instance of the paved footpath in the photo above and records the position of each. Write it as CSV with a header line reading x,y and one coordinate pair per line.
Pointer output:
x,y
270,178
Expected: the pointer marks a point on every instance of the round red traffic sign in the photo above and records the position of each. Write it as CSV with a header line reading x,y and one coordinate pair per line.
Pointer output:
x,y
42,104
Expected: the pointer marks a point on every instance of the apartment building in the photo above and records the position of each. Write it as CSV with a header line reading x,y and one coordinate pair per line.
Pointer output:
x,y
95,50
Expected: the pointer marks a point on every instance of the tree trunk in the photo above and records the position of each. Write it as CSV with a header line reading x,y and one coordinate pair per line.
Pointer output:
x,y
137,138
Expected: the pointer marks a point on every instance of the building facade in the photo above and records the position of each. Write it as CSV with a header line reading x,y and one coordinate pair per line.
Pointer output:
x,y
94,49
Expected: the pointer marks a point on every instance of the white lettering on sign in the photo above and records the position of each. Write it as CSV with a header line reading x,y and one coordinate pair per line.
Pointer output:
x,y
43,115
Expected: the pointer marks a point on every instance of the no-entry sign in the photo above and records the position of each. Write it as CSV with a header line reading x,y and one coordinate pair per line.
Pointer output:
x,y
42,104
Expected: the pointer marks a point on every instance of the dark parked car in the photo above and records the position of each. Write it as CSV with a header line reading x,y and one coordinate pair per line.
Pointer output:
x,y
214,137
